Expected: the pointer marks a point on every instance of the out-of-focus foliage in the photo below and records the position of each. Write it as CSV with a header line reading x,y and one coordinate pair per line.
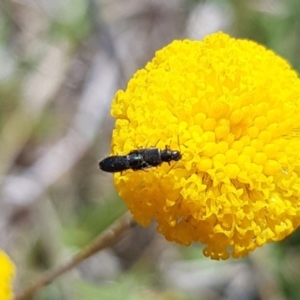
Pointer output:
x,y
60,65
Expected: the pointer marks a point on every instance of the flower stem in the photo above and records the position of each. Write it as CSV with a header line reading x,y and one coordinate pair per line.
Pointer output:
x,y
106,239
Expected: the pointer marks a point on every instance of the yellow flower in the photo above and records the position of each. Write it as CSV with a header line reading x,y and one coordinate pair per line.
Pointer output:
x,y
7,272
232,108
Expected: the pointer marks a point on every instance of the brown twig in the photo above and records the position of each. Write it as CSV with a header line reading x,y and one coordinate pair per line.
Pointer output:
x,y
104,240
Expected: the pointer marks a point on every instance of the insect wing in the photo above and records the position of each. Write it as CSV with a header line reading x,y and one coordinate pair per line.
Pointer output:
x,y
153,156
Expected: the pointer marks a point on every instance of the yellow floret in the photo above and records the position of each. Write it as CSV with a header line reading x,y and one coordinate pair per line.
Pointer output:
x,y
232,108
7,272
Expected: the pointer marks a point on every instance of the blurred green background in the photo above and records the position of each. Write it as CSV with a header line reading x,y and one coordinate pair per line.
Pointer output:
x,y
61,62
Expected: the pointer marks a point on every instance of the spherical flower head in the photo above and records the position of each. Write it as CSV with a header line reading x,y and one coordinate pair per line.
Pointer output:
x,y
232,108
7,272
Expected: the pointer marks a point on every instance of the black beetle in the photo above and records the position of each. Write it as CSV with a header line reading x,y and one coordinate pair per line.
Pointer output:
x,y
139,159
